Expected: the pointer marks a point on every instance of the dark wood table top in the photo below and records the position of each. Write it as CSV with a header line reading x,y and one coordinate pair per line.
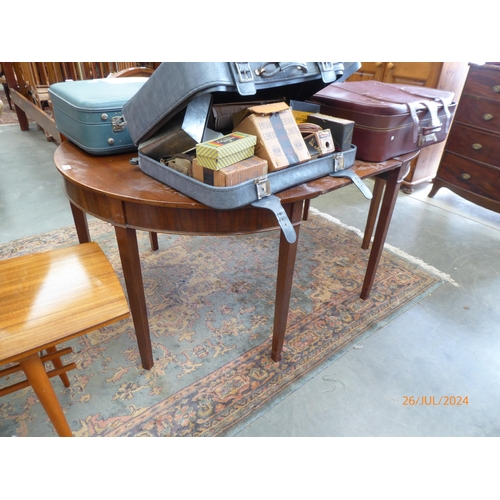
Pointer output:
x,y
114,176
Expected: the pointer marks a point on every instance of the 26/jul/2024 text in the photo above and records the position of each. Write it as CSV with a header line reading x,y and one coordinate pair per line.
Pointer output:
x,y
435,400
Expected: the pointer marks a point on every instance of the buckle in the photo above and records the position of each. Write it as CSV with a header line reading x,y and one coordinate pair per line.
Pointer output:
x,y
263,187
273,203
244,71
326,66
425,138
357,181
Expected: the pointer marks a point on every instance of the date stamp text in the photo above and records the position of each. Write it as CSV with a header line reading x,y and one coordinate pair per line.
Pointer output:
x,y
435,400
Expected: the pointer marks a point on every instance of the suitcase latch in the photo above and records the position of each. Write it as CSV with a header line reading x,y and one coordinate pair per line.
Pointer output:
x,y
263,187
244,71
118,123
339,162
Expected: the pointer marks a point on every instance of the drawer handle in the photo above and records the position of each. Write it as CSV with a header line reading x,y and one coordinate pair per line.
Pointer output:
x,y
477,146
496,88
487,116
465,176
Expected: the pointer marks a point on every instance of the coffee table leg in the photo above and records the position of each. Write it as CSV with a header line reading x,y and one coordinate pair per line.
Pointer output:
x,y
286,265
131,265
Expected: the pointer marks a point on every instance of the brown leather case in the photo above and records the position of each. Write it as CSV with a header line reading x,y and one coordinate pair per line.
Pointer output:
x,y
390,119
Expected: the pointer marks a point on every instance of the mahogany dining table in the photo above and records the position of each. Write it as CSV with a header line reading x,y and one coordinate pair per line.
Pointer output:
x,y
113,189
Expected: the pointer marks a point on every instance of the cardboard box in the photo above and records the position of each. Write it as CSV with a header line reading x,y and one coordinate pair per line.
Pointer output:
x,y
225,151
221,117
234,174
340,128
279,140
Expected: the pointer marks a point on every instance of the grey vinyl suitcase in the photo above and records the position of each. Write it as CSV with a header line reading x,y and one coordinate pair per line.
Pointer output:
x,y
89,113
176,100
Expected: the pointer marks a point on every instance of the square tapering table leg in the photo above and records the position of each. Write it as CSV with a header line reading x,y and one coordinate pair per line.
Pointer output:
x,y
286,265
131,265
393,182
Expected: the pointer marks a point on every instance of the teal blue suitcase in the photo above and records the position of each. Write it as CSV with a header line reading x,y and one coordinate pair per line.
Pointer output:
x,y
89,113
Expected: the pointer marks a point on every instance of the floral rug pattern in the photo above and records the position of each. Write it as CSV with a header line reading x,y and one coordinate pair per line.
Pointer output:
x,y
211,304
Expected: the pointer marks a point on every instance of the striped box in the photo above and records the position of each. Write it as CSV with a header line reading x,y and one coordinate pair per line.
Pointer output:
x,y
279,139
226,150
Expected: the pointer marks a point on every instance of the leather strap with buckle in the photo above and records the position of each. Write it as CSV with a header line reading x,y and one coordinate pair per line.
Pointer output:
x,y
273,203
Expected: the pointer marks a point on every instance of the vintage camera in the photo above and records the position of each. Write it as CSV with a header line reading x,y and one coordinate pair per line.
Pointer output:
x,y
320,142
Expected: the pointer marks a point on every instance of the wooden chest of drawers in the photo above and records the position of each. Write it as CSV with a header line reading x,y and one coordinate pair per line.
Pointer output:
x,y
470,165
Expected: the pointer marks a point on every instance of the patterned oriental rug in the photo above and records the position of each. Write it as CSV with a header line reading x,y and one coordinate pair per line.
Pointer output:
x,y
211,306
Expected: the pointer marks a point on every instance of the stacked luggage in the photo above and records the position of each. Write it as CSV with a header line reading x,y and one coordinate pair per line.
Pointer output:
x,y
234,134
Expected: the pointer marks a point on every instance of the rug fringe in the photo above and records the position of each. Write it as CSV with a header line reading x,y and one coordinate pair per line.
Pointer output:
x,y
401,253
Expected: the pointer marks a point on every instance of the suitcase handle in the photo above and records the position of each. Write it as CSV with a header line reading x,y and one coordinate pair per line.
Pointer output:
x,y
264,72
330,71
436,124
246,78
244,75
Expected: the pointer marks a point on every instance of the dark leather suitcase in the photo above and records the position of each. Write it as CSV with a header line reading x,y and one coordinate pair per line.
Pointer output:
x,y
390,119
175,102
